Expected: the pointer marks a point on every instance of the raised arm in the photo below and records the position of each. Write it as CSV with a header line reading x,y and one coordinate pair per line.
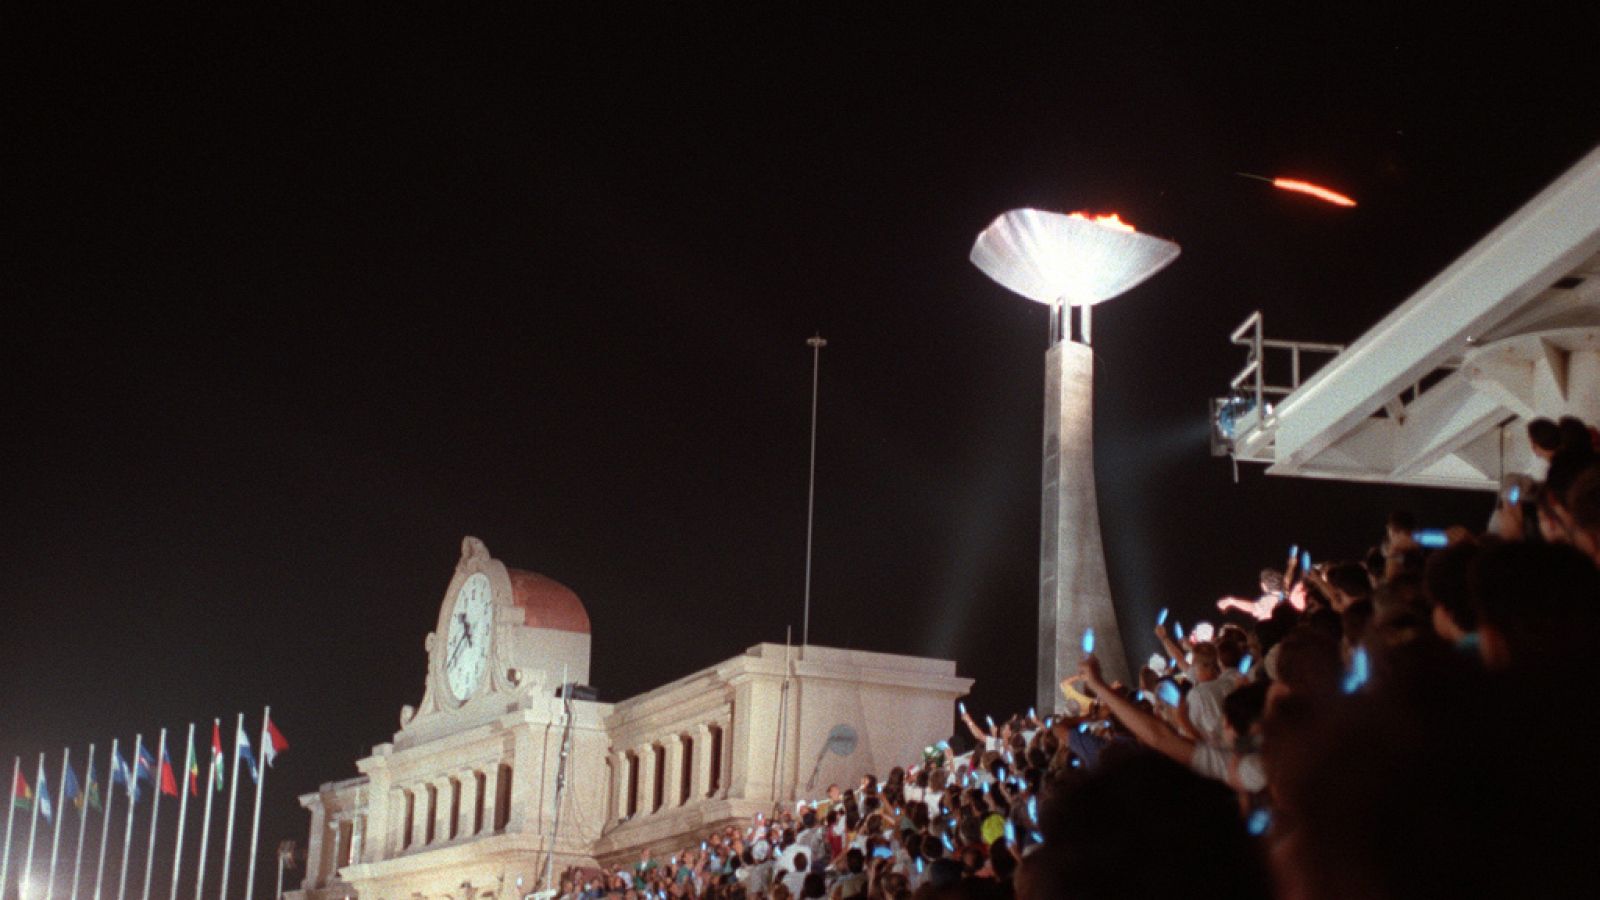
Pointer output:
x,y
1148,729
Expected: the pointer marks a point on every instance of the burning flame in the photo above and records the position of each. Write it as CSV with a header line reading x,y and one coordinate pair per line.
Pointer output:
x,y
1110,220
1315,190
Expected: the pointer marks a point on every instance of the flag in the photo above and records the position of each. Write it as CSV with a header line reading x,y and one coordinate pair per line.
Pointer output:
x,y
69,787
45,809
122,773
21,795
216,754
91,790
146,767
169,784
194,769
275,744
242,741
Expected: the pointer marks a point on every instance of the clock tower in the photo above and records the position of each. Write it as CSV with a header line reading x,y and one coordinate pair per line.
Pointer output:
x,y
463,802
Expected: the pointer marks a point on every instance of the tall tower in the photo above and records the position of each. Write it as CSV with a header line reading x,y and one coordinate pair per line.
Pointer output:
x,y
1070,263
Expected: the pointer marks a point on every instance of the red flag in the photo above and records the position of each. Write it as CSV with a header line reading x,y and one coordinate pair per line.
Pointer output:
x,y
21,794
275,743
169,785
216,753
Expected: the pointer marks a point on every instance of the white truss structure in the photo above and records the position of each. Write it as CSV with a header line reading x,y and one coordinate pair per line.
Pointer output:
x,y
1439,392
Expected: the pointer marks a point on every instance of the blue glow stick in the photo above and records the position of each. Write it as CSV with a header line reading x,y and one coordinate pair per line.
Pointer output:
x,y
948,844
1033,808
1177,630
919,864
1169,693
1357,676
1161,617
1088,640
1083,727
1259,820
1011,832
1294,550
990,720
1245,662
961,708
1032,714
1038,838
1305,560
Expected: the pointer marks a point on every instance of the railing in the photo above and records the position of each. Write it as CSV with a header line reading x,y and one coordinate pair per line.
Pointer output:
x,y
1252,382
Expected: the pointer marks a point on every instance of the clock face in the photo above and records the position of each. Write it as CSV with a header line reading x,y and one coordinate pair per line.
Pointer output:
x,y
467,639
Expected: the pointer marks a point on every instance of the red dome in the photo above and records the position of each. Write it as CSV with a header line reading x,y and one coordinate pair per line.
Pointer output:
x,y
547,603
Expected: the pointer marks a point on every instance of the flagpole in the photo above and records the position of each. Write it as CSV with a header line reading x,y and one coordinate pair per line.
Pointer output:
x,y
233,797
133,801
83,821
105,821
261,780
55,841
155,808
11,809
33,825
183,813
205,828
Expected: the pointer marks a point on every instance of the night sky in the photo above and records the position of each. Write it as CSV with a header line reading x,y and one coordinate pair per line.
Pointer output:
x,y
292,305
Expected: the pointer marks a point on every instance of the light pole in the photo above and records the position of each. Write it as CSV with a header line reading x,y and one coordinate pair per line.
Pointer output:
x,y
1070,263
816,343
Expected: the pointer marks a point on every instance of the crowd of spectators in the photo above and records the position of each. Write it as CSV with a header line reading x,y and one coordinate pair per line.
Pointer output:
x,y
1417,722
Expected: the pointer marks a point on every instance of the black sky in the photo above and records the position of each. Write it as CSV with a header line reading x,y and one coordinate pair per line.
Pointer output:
x,y
292,304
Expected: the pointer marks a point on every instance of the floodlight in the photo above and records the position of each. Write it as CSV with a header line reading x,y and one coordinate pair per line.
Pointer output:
x,y
1055,258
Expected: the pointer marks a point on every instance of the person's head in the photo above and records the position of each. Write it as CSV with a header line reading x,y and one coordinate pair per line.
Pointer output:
x,y
1230,649
1242,709
1575,436
1308,664
814,886
1536,605
1206,666
1583,511
1350,582
1544,438
1271,581
1444,585
1400,524
855,861
834,793
1099,829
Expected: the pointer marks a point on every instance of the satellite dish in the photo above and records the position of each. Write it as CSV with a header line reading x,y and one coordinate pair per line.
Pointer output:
x,y
841,740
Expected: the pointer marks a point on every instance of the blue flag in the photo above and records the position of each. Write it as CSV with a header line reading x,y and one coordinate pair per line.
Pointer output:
x,y
147,766
244,752
119,769
45,809
69,787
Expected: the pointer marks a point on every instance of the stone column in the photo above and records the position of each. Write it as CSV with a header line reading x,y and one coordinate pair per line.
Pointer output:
x,y
314,852
443,818
647,777
469,801
672,788
395,833
421,814
491,800
700,780
619,786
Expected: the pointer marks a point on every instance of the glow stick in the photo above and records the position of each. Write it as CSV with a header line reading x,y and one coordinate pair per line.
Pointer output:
x,y
1088,640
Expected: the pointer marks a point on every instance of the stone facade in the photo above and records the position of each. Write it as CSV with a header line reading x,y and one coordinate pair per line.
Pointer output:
x,y
462,803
